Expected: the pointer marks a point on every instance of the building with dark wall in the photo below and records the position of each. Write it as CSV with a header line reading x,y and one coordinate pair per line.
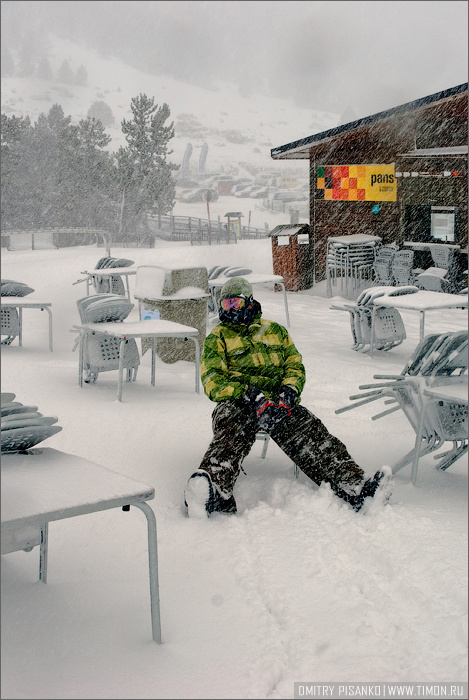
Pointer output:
x,y
422,193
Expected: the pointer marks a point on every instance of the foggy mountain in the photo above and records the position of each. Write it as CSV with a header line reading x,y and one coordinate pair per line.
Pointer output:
x,y
237,130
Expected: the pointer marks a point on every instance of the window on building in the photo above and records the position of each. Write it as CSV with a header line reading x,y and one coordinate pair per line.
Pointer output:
x,y
442,223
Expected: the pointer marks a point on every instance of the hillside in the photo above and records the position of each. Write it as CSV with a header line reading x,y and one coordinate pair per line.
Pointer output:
x,y
238,130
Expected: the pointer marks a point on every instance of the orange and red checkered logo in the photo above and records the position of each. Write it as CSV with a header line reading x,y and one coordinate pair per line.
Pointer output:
x,y
367,183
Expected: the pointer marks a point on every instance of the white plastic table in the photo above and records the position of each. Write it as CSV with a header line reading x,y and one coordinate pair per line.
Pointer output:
x,y
46,485
21,303
150,328
256,278
421,301
110,272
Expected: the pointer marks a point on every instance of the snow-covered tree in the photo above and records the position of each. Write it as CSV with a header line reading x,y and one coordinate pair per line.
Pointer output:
x,y
81,76
44,70
100,110
142,171
65,73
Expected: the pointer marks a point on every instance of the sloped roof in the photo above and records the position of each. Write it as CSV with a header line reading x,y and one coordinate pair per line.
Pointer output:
x,y
300,149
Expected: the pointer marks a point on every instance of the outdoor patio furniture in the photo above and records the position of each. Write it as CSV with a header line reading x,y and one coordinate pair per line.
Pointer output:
x,y
48,485
388,328
432,393
22,427
382,264
12,317
349,262
411,298
109,343
401,267
102,352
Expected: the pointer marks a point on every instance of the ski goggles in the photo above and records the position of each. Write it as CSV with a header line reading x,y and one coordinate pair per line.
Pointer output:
x,y
233,303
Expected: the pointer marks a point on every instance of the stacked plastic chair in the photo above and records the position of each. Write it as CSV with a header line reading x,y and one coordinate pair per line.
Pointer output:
x,y
389,330
402,267
114,284
10,324
439,362
22,426
382,264
101,352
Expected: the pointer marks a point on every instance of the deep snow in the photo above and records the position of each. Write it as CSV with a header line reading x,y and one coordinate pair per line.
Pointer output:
x,y
296,587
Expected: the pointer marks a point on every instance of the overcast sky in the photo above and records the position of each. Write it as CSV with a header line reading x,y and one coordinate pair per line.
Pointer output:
x,y
353,58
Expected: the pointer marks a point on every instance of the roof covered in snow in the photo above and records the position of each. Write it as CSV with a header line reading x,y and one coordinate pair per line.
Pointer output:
x,y
300,149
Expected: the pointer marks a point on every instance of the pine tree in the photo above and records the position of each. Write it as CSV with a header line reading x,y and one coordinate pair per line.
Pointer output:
x,y
44,70
65,73
81,76
142,171
100,110
7,62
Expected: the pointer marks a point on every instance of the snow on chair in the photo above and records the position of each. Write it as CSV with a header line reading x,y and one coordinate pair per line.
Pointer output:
x,y
113,284
402,267
101,353
432,393
382,264
389,328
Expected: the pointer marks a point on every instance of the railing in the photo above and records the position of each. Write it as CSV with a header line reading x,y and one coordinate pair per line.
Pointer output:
x,y
198,231
55,238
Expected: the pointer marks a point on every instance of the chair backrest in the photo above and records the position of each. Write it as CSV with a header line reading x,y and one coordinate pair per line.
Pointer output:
x,y
421,352
439,354
102,308
150,282
403,257
442,255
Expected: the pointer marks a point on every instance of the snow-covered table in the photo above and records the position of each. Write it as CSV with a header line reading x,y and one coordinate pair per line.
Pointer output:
x,y
110,272
46,485
150,328
253,278
28,302
421,301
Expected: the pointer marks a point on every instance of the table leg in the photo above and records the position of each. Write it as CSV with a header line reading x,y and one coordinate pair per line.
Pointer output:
x,y
153,360
128,288
50,326
422,324
43,553
286,302
20,326
81,357
153,566
197,362
372,333
121,369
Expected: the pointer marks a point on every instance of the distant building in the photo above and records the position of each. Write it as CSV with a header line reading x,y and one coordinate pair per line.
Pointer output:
x,y
400,174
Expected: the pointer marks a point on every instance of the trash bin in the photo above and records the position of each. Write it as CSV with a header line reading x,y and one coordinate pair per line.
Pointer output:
x,y
178,295
292,255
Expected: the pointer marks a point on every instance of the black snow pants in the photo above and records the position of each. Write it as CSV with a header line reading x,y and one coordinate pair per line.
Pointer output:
x,y
302,436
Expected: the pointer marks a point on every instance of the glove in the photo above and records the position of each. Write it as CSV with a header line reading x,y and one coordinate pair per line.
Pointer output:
x,y
270,416
255,398
287,398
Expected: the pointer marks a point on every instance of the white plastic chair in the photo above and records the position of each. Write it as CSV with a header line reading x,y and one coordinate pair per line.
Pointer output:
x,y
432,393
101,353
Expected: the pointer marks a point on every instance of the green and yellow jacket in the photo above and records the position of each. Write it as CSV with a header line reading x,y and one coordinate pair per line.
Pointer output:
x,y
261,354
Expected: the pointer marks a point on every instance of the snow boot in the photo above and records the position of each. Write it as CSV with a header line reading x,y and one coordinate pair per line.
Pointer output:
x,y
201,498
378,487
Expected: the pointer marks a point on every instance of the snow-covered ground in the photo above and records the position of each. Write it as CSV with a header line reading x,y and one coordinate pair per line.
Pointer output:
x,y
296,587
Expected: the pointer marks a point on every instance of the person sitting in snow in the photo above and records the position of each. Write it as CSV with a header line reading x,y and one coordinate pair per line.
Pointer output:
x,y
252,370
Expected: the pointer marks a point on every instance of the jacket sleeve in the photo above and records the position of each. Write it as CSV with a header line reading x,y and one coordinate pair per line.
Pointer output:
x,y
294,370
219,384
